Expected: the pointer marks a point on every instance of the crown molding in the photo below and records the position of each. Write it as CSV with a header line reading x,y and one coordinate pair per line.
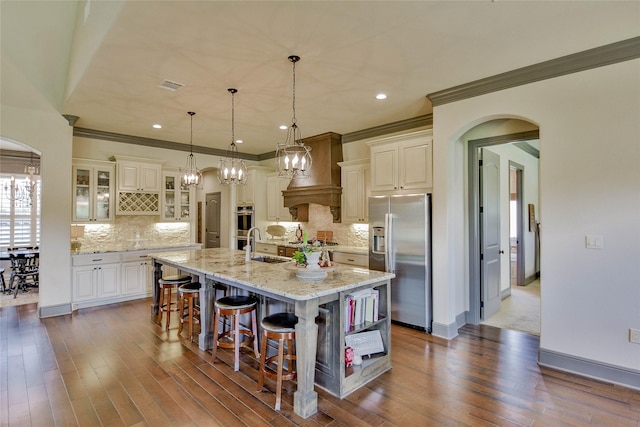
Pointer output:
x,y
156,143
624,50
402,125
399,126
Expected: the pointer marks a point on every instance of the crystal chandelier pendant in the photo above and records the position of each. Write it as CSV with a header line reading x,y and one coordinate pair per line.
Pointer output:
x,y
231,169
191,175
293,158
25,191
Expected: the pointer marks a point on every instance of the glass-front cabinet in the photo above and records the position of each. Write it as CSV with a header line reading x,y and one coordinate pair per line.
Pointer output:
x,y
177,200
93,189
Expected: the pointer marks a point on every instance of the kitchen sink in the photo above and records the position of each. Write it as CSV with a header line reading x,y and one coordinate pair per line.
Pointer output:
x,y
268,259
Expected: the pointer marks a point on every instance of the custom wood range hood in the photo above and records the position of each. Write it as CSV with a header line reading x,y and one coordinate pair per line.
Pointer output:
x,y
323,185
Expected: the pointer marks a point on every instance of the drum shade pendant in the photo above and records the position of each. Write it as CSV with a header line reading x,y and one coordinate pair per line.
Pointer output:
x,y
191,175
231,169
293,158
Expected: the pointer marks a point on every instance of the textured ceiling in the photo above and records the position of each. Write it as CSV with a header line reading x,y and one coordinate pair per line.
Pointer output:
x,y
350,51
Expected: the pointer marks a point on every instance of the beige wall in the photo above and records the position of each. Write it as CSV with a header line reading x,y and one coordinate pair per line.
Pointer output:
x,y
29,119
589,184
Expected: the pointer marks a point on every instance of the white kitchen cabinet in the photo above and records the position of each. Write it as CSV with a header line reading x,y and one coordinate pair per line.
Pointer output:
x,y
177,200
359,260
245,194
254,192
137,274
402,164
275,200
95,277
138,186
355,191
107,278
138,175
93,189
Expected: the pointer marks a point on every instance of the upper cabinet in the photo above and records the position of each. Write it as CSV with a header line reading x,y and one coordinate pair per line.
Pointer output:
x,y
93,188
253,192
139,176
275,200
139,185
355,191
402,164
245,194
177,200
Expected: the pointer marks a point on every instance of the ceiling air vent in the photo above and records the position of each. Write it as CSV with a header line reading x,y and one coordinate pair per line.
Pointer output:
x,y
168,84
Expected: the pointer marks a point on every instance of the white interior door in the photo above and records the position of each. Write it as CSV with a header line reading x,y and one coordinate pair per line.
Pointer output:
x,y
489,233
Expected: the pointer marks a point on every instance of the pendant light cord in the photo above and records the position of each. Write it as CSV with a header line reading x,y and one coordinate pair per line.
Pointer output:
x,y
294,59
191,113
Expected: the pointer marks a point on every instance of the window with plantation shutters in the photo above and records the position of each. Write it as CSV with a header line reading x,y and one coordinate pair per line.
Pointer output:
x,y
19,220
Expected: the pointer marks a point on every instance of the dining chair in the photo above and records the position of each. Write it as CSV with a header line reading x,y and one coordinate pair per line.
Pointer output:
x,y
23,267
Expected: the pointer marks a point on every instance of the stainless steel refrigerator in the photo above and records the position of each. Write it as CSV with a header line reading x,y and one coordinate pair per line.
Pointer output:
x,y
400,243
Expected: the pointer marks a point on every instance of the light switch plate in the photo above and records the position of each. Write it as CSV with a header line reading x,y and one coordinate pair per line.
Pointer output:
x,y
592,241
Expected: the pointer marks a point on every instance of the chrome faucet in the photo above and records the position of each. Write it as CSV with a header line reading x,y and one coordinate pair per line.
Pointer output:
x,y
253,247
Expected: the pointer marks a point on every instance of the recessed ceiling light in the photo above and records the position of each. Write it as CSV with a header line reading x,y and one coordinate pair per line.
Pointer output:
x,y
284,127
381,96
157,126
239,141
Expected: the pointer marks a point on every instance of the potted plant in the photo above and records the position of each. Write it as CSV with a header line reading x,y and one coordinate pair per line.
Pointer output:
x,y
308,255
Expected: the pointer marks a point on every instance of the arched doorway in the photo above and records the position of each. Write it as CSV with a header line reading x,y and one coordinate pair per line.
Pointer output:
x,y
493,148
20,189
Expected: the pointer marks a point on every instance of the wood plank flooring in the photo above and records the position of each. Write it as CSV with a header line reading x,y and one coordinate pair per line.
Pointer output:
x,y
112,366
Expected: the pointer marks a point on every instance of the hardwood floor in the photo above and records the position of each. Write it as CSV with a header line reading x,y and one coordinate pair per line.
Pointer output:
x,y
112,366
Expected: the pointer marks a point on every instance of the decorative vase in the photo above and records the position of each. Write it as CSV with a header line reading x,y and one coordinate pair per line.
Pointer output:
x,y
313,258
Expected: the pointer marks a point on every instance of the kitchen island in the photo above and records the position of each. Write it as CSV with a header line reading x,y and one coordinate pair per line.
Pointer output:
x,y
278,281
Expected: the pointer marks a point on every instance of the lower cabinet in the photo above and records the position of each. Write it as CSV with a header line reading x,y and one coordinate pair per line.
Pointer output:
x,y
113,277
137,275
96,277
267,248
360,260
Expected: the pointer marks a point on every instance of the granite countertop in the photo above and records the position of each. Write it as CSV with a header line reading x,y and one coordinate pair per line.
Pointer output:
x,y
334,248
279,279
119,248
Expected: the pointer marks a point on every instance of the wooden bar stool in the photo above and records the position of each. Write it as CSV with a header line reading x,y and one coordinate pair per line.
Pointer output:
x,y
281,327
167,285
234,306
188,295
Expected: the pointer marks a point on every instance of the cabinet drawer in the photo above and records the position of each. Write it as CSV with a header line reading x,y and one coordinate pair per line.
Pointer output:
x,y
95,259
267,248
289,251
135,256
361,260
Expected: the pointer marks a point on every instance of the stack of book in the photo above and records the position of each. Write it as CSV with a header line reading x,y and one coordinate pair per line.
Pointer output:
x,y
361,307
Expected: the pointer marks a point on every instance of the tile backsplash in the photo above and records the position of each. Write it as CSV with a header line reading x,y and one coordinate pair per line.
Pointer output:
x,y
320,219
132,232
129,230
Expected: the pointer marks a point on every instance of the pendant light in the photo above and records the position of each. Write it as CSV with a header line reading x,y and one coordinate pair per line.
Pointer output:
x,y
293,158
191,175
25,192
232,170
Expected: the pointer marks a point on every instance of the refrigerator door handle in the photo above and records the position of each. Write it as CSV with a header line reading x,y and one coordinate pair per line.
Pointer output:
x,y
389,261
